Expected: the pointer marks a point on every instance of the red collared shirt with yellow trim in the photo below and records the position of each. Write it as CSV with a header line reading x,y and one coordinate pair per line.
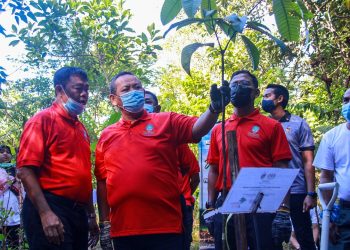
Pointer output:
x,y
261,141
59,146
139,162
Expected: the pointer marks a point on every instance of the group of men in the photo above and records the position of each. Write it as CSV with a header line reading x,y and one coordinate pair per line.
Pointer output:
x,y
146,173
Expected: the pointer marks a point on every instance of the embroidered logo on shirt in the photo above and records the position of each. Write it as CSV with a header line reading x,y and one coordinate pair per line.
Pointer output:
x,y
254,132
149,130
288,130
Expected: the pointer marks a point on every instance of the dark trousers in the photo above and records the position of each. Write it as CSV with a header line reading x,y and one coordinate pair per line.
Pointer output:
x,y
149,242
301,222
264,230
72,215
188,225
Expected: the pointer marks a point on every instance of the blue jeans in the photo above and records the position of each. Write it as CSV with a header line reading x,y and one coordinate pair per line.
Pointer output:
x,y
344,230
301,222
73,217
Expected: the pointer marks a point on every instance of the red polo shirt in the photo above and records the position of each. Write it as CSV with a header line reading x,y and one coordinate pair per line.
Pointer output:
x,y
59,147
261,141
138,160
188,162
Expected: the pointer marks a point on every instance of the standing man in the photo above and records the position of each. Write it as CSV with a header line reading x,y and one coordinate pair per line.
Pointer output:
x,y
333,158
189,173
261,143
301,142
54,165
137,170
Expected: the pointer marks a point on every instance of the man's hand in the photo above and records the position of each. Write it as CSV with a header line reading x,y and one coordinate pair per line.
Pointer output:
x,y
309,203
53,227
215,96
94,232
333,233
105,239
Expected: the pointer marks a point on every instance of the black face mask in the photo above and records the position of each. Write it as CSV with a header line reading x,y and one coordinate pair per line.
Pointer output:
x,y
240,95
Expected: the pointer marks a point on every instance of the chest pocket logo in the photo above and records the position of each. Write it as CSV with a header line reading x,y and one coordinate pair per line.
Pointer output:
x,y
254,132
149,129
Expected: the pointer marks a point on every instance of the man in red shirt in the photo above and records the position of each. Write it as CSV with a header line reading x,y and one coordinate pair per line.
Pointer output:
x,y
54,165
261,143
188,174
137,170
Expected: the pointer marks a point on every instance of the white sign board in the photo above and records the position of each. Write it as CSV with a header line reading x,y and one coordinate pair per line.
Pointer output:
x,y
274,183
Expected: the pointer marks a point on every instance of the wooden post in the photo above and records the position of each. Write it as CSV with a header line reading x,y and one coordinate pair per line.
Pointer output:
x,y
238,219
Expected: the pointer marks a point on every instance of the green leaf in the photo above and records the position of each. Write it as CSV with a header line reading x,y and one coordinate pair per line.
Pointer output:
x,y
253,52
14,43
157,47
169,11
306,14
187,53
14,28
256,26
206,7
191,7
288,25
144,38
32,16
183,23
237,22
226,28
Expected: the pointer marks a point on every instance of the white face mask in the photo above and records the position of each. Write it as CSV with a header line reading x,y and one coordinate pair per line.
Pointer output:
x,y
73,106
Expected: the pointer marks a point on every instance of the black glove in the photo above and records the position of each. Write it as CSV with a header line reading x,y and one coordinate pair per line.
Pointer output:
x,y
281,227
105,239
215,97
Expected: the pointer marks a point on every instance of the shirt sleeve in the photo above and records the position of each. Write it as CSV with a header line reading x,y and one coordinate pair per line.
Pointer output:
x,y
324,157
32,145
182,127
306,138
213,153
279,145
100,169
192,160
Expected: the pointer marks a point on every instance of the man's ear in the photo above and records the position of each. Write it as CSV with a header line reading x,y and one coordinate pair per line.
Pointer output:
x,y
280,99
58,89
157,109
113,99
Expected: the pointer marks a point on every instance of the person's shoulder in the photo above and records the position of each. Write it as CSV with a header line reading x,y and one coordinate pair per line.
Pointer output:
x,y
267,121
296,118
42,116
110,129
335,131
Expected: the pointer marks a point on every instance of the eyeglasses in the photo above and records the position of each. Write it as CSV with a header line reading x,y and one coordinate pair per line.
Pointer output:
x,y
243,83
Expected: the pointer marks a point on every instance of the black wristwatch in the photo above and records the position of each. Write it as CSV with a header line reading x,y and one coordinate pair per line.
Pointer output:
x,y
312,194
209,204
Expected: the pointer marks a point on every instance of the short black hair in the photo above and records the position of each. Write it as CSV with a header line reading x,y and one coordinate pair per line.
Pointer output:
x,y
153,96
112,87
5,147
247,72
61,76
280,90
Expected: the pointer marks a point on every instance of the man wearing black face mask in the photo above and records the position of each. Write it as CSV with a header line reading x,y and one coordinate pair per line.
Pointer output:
x,y
55,168
299,135
261,143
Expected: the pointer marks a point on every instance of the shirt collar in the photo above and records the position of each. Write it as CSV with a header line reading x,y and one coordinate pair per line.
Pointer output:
x,y
145,116
286,117
62,112
252,116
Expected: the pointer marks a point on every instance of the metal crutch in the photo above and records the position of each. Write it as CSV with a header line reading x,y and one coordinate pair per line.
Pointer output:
x,y
327,208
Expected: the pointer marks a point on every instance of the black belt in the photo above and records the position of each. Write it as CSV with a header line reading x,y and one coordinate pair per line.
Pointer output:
x,y
344,203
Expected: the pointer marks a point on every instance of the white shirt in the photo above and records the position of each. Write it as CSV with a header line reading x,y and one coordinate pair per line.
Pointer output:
x,y
334,154
9,207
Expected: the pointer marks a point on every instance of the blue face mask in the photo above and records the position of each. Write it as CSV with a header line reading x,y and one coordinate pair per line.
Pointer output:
x,y
133,101
346,111
268,105
149,108
73,107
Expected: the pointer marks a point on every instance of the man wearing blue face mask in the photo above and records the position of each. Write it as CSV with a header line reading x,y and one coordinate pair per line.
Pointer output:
x,y
333,158
136,167
303,196
55,168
